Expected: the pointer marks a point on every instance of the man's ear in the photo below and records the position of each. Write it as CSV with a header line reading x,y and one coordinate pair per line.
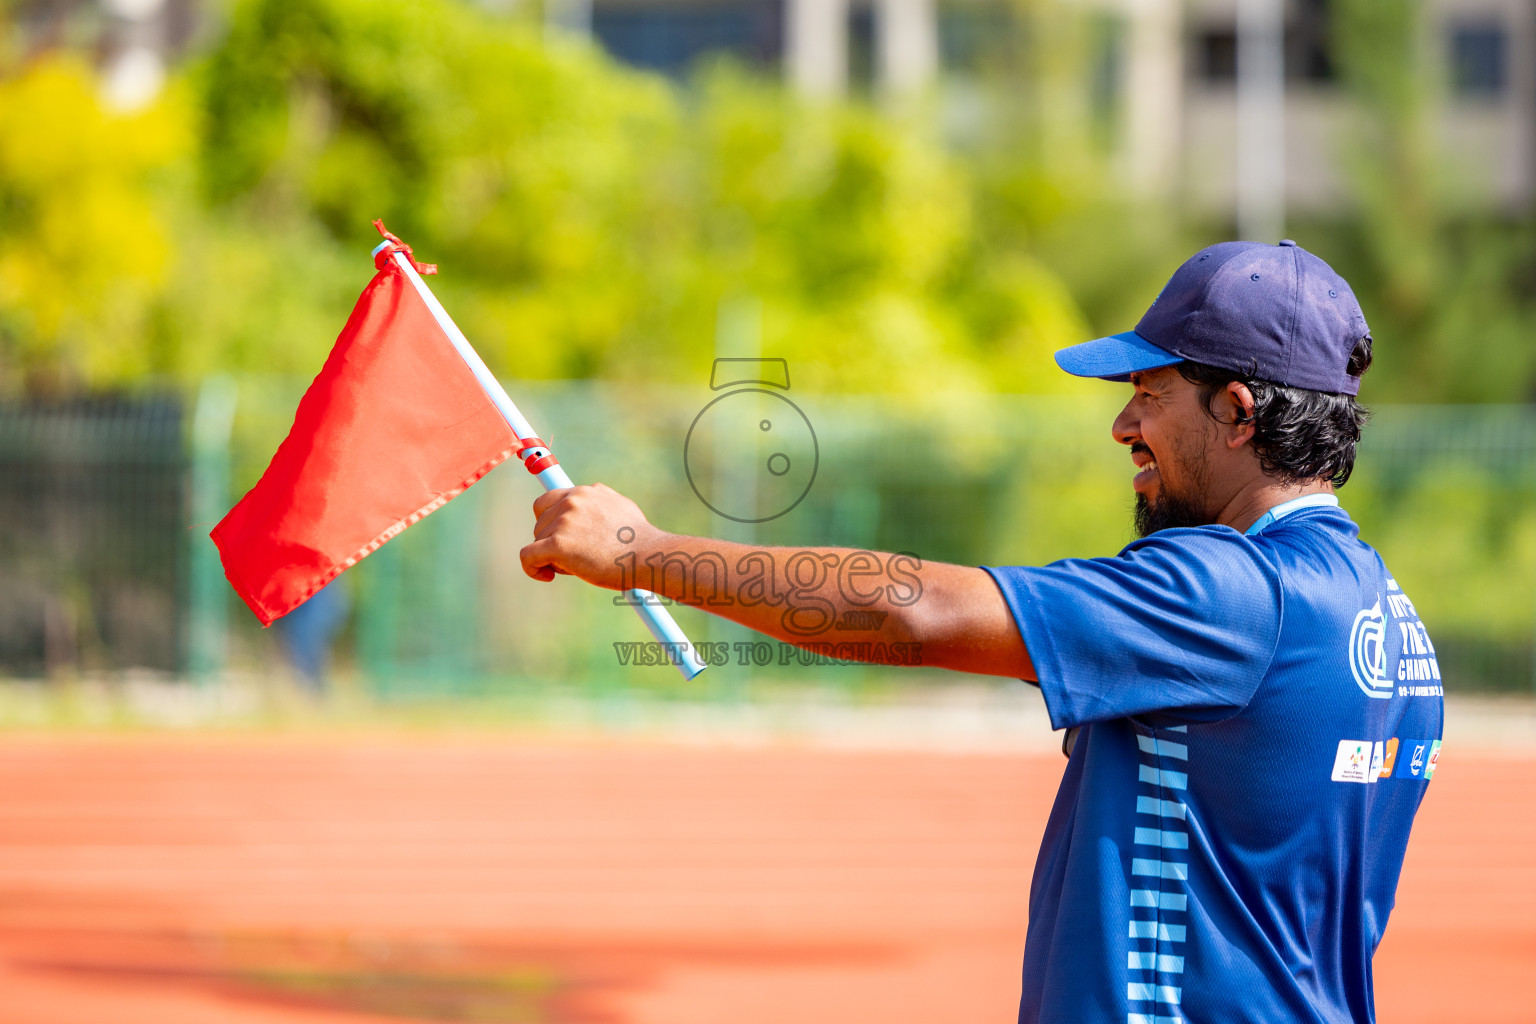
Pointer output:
x,y
1235,408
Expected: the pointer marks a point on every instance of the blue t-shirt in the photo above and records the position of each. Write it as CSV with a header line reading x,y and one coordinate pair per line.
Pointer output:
x,y
1259,717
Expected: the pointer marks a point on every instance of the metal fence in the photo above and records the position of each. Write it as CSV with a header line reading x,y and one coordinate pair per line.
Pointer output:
x,y
105,562
92,535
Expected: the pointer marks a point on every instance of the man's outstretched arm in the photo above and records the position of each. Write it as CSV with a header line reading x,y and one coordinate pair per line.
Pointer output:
x,y
955,613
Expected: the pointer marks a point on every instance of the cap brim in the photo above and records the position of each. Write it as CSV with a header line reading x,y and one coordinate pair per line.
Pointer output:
x,y
1115,357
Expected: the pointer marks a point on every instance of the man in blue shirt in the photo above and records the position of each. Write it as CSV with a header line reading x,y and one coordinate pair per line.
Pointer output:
x,y
1253,708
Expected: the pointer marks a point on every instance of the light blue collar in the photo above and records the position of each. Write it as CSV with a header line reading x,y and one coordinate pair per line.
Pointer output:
x,y
1284,509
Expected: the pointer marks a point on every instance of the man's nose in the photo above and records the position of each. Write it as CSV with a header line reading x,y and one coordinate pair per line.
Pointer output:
x,y
1127,427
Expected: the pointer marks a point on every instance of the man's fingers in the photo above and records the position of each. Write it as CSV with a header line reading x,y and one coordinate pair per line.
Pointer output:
x,y
541,560
548,499
545,524
574,531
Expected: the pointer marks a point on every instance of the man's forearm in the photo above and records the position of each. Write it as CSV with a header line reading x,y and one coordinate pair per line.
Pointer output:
x,y
794,594
860,602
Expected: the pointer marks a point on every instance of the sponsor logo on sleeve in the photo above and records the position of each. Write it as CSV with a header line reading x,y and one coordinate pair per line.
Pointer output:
x,y
1368,654
1412,758
1390,759
1352,763
1433,762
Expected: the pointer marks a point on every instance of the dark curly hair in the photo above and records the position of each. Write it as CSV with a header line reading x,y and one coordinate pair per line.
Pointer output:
x,y
1298,434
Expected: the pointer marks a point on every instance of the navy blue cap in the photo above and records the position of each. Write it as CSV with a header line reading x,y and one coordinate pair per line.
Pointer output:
x,y
1271,312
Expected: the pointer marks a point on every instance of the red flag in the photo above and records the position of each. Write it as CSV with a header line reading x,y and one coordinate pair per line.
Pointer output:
x,y
393,428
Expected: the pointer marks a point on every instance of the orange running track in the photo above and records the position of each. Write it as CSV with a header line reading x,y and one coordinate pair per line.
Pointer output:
x,y
255,881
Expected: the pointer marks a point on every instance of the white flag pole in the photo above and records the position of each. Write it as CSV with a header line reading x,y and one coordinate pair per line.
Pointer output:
x,y
542,464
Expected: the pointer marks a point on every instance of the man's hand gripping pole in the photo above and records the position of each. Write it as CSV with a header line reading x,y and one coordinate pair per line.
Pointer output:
x,y
535,454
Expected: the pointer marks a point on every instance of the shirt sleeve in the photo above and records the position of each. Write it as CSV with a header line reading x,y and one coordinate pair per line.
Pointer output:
x,y
1181,625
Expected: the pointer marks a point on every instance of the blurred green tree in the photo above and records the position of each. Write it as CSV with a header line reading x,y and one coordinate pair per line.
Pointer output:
x,y
592,220
596,221
84,248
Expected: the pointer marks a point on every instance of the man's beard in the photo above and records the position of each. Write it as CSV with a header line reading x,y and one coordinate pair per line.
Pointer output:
x,y
1170,510
1167,512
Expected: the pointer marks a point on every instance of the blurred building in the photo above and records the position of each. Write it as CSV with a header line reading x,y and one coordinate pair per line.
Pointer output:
x,y
1483,59
824,47
131,41
1164,72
